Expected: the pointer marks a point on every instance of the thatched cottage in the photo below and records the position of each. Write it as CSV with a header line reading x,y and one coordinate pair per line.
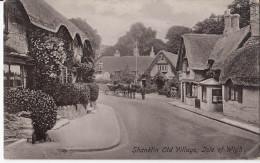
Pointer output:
x,y
221,73
164,63
135,64
22,16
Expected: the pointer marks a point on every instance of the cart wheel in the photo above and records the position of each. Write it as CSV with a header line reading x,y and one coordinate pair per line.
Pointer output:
x,y
106,91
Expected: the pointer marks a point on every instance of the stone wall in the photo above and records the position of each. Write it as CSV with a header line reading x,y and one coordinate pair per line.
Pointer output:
x,y
248,110
21,127
17,127
71,111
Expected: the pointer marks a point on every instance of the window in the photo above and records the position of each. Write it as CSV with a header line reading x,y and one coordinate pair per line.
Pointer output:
x,y
191,90
194,90
216,95
163,68
235,93
14,76
204,93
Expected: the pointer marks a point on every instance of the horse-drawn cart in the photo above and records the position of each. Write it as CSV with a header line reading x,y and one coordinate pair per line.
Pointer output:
x,y
125,89
114,88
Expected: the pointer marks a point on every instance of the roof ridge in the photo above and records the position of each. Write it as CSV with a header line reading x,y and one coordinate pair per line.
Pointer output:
x,y
202,34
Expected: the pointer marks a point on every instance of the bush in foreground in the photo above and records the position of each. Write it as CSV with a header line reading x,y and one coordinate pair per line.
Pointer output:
x,y
41,106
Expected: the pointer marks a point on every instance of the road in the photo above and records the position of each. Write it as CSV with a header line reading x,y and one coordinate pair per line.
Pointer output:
x,y
156,124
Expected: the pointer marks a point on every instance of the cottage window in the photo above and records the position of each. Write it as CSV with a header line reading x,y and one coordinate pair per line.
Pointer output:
x,y
216,95
194,91
204,93
191,90
14,76
163,68
235,93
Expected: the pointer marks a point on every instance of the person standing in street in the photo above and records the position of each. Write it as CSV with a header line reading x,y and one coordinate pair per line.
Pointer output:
x,y
143,92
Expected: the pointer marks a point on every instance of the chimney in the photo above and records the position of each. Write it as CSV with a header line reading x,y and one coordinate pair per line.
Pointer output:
x,y
235,22
152,54
227,19
117,54
254,17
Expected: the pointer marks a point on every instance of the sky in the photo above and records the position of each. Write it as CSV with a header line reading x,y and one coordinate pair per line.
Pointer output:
x,y
113,18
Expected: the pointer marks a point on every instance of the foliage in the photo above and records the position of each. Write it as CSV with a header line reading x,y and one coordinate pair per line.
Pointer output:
x,y
50,53
215,24
159,80
92,34
94,91
123,76
212,25
146,38
41,106
67,94
47,51
174,35
84,92
85,71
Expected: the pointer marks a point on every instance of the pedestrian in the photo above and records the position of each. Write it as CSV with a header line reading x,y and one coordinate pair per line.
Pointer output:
x,y
143,92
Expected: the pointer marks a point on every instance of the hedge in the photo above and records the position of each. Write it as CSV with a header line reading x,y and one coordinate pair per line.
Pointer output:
x,y
68,94
94,91
41,106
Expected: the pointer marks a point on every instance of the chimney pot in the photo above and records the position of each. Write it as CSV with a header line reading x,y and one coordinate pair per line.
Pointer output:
x,y
235,22
227,20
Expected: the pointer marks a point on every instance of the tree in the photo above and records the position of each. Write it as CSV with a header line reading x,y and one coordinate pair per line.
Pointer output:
x,y
174,35
124,76
92,34
212,25
159,80
215,24
242,8
145,36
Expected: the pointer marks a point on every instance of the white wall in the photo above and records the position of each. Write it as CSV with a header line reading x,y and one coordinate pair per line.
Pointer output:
x,y
169,74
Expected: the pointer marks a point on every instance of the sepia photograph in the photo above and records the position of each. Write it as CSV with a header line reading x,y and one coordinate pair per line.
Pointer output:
x,y
131,79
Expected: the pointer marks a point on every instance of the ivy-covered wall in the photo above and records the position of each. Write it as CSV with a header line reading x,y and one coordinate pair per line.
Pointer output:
x,y
52,52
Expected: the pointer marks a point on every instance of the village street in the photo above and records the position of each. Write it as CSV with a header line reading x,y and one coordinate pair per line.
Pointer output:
x,y
156,124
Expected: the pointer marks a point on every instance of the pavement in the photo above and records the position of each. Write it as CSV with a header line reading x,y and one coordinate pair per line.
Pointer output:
x,y
93,132
218,117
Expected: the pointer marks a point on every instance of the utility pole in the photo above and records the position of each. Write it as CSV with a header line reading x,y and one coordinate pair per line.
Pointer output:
x,y
136,53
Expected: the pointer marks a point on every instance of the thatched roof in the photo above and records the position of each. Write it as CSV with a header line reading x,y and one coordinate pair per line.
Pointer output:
x,y
226,45
198,49
112,63
44,16
210,81
242,66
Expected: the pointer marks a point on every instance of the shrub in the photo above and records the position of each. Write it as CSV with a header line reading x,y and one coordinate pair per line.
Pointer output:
x,y
41,106
16,100
63,94
84,92
94,91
